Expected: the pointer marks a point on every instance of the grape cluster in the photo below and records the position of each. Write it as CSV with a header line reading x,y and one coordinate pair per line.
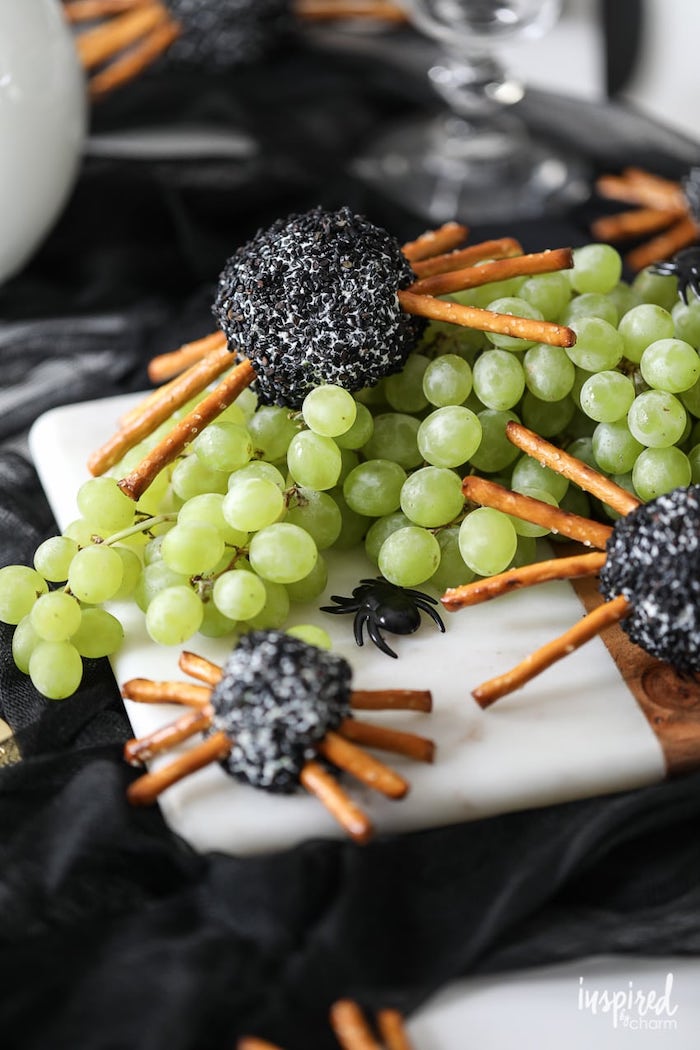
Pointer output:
x,y
236,529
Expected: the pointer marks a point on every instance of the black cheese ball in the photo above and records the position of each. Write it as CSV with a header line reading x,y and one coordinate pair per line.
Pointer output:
x,y
312,300
653,559
277,698
221,34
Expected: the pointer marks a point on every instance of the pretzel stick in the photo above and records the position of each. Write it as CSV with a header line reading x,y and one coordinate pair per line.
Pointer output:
x,y
502,248
635,223
128,66
96,45
200,668
144,691
435,242
140,750
155,410
606,614
174,443
250,1042
350,1027
326,10
489,494
680,235
573,469
410,744
486,320
146,789
320,783
90,10
392,1030
165,366
497,270
362,766
391,699
637,187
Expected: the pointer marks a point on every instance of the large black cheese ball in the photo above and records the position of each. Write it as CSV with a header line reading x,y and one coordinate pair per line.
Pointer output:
x,y
653,559
312,300
277,698
221,34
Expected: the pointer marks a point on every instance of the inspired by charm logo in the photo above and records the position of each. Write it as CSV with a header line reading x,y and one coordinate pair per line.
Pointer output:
x,y
634,1008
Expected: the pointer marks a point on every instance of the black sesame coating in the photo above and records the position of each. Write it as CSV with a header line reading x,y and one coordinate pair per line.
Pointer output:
x,y
222,34
312,300
653,559
277,698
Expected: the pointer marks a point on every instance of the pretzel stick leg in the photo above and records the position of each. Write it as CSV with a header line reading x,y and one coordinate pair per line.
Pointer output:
x,y
502,248
435,242
489,494
91,10
250,1042
497,270
636,187
587,628
333,10
486,320
146,789
350,1027
165,366
140,750
145,691
136,483
637,223
680,235
362,766
399,743
526,576
569,467
129,66
391,699
392,1030
199,667
97,45
320,783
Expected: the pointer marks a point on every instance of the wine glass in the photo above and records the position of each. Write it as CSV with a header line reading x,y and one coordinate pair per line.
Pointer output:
x,y
476,160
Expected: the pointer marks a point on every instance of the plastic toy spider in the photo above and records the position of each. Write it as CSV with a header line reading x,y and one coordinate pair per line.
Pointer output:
x,y
649,566
380,605
685,266
352,1030
276,707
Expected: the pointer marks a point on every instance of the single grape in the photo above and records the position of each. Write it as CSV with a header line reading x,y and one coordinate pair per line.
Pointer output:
x,y
374,488
174,615
591,304
215,625
83,533
24,641
495,452
95,574
329,410
272,429
519,308
623,298
432,496
528,528
190,477
103,504
547,292
223,446
395,437
192,547
487,541
380,529
686,321
597,268
275,611
643,325
52,558
20,587
525,552
239,594
252,504
207,508
360,432
547,418
155,578
55,616
691,399
447,380
449,436
348,461
282,553
409,556
404,390
607,396
582,448
499,379
694,460
671,365
258,469
599,346
99,634
656,419
354,525
55,669
312,635
311,585
659,470
314,460
615,448
452,571
528,473
549,373
131,571
654,288
317,513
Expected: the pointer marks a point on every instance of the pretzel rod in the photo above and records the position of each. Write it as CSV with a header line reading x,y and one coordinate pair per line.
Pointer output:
x,y
96,45
637,187
350,1027
249,1042
165,366
497,270
90,10
145,691
573,469
526,576
362,766
326,10
140,750
391,699
489,494
680,235
502,248
198,667
399,743
606,614
320,783
392,1030
146,789
486,320
635,223
128,66
174,443
155,410
435,242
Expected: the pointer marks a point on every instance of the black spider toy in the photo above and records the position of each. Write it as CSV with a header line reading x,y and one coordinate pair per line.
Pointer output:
x,y
685,266
380,604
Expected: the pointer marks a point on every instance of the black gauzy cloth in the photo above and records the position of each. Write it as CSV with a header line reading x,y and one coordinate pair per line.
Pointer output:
x,y
113,933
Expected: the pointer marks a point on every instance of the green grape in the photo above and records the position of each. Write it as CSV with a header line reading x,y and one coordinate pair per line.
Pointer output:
x,y
99,634
233,414
245,404
360,432
447,380
329,410
409,556
625,482
499,379
223,446
691,399
239,594
208,509
597,268
432,496
52,558
495,452
442,338
452,571
576,501
95,574
83,533
653,288
55,669
314,460
694,460
623,298
528,528
525,552
192,547
643,325
591,304
317,513
354,526
282,553
258,469
190,477
449,436
598,347
487,541
549,374
312,635
686,321
547,292
155,578
615,448
404,390
484,294
374,488
24,641
547,418
671,365
274,612
348,461
380,529
252,504
582,448
103,504
55,616
580,425
272,429
395,437
528,473
174,615
311,585
152,551
607,396
659,470
131,571
519,308
215,625
656,419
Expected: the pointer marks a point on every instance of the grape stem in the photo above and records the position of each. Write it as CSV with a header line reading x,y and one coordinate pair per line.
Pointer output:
x,y
140,526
